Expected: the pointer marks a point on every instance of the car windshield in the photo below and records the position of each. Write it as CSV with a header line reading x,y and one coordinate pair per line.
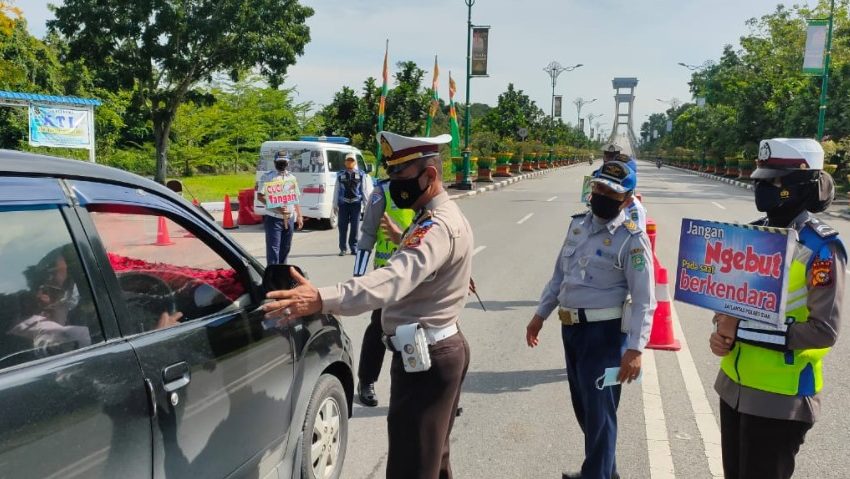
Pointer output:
x,y
301,160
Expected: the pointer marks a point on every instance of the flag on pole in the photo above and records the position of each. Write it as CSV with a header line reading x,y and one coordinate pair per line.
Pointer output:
x,y
382,103
435,99
455,130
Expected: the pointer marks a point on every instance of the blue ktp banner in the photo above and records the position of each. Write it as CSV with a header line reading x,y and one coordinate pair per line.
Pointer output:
x,y
739,270
59,127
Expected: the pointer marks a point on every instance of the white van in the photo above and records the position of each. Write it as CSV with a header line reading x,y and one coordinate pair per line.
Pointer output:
x,y
315,162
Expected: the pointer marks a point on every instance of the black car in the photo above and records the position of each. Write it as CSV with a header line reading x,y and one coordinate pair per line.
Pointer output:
x,y
132,344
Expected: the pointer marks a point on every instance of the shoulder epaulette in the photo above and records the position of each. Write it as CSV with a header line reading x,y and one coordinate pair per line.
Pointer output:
x,y
822,229
579,215
632,227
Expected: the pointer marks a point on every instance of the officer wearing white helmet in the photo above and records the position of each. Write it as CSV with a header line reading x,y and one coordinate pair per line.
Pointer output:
x,y
769,380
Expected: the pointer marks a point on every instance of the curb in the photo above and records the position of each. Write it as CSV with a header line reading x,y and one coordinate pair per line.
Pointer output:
x,y
501,184
749,186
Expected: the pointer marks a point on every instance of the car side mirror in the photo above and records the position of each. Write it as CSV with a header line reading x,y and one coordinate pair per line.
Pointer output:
x,y
279,276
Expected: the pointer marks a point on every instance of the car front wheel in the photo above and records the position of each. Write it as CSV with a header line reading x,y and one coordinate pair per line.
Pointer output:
x,y
325,430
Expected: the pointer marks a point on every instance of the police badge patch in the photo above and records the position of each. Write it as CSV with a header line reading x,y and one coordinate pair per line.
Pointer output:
x,y
822,272
638,262
415,238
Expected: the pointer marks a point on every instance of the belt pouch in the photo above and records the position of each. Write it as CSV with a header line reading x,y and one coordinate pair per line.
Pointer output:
x,y
411,343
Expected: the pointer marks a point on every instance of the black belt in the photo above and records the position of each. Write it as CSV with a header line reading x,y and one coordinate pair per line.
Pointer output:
x,y
388,344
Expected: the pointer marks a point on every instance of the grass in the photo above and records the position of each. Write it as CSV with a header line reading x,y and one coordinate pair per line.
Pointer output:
x,y
214,187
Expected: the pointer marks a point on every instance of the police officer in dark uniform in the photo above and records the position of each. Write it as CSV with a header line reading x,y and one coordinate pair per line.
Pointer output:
x,y
422,290
769,377
349,193
604,290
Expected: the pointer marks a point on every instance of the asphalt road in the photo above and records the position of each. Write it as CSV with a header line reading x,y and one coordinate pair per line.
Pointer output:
x,y
517,420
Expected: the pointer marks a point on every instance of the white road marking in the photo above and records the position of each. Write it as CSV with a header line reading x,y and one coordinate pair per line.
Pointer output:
x,y
552,199
478,250
657,443
525,218
718,205
703,414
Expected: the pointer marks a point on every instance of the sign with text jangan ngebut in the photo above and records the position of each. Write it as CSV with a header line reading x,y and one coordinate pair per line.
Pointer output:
x,y
739,270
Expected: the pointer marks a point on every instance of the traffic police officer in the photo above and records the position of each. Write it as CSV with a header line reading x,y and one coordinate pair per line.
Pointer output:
x,y
348,194
424,284
769,378
380,208
605,260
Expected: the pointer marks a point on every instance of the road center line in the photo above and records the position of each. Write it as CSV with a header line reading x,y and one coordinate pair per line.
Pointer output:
x,y
525,218
718,205
657,443
703,414
552,199
478,250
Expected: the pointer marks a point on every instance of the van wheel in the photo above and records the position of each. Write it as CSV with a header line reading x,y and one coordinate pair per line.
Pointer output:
x,y
330,223
325,431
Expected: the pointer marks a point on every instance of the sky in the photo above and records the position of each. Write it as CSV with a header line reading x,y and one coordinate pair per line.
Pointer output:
x,y
611,38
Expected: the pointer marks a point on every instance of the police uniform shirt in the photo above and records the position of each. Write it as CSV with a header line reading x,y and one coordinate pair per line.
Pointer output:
x,y
637,213
824,302
616,261
274,175
372,218
426,280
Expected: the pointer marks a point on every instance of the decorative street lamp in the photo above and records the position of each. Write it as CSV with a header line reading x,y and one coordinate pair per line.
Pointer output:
x,y
580,102
590,118
554,69
673,102
466,183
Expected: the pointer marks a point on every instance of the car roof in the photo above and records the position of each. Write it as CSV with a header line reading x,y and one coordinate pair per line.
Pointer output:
x,y
32,164
307,145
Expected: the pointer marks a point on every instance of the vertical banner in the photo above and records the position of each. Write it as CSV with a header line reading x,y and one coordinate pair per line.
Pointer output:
x,y
581,124
813,56
480,40
700,101
591,133
669,126
435,99
60,127
382,105
739,270
559,101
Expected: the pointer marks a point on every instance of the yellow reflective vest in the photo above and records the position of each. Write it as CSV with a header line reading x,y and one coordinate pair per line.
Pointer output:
x,y
796,372
384,247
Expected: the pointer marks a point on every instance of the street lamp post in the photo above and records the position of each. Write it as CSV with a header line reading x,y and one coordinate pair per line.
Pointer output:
x,y
554,69
591,117
466,182
579,102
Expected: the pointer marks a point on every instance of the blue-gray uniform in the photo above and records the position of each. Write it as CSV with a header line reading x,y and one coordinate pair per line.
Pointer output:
x,y
600,265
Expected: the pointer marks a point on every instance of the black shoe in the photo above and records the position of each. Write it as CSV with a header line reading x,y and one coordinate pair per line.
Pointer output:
x,y
368,397
353,253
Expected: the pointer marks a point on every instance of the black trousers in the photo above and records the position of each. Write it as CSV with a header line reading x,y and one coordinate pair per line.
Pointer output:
x,y
757,447
422,412
372,351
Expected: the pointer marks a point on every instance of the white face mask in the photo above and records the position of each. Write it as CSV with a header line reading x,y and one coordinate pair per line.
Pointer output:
x,y
609,378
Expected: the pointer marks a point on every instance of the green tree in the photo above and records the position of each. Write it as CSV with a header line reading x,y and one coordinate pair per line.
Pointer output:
x,y
161,50
514,110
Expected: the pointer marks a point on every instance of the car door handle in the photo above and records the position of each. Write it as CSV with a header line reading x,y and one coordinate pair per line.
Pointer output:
x,y
176,376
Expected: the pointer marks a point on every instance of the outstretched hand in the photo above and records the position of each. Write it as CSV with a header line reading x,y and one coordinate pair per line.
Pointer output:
x,y
302,300
391,229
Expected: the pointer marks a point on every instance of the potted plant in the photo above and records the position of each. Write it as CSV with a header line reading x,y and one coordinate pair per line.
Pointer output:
x,y
518,157
530,158
503,159
485,145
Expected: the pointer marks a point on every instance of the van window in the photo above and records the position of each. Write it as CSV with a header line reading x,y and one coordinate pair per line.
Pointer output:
x,y
46,304
302,160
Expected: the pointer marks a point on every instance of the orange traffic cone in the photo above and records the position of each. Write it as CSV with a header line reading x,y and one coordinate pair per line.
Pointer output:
x,y
227,223
661,336
651,231
162,237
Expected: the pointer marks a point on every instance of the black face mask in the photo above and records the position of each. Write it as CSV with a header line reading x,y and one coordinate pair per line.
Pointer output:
x,y
604,207
781,203
404,193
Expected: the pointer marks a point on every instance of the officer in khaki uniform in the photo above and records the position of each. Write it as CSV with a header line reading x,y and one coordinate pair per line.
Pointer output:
x,y
380,208
605,260
424,283
770,377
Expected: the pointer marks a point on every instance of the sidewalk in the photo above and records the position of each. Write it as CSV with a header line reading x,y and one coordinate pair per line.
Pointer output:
x,y
839,208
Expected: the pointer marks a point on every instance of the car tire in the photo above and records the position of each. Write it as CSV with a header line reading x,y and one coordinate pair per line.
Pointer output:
x,y
330,223
325,430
